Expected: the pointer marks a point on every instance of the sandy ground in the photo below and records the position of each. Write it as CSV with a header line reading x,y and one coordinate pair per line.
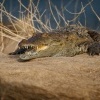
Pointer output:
x,y
51,78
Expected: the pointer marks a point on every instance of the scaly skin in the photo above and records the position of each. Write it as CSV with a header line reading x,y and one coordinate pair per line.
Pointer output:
x,y
68,41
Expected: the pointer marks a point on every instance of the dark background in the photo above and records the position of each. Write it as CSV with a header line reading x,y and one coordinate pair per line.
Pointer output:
x,y
12,6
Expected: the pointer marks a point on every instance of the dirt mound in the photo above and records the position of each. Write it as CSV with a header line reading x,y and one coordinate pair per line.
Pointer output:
x,y
50,78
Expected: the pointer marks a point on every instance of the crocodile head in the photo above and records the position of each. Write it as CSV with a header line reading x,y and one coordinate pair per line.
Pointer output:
x,y
40,45
32,53
31,49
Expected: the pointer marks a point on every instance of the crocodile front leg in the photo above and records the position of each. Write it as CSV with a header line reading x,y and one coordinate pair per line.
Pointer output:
x,y
94,49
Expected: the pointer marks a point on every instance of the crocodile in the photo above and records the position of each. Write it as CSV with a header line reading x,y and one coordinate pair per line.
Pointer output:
x,y
67,41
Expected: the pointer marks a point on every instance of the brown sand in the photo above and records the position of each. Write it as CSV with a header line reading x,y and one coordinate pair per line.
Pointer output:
x,y
59,78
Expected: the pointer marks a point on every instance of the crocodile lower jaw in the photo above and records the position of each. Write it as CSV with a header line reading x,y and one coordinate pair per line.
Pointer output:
x,y
27,56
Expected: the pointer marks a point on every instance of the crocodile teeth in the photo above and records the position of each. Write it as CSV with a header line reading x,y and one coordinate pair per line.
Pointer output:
x,y
19,47
31,46
26,47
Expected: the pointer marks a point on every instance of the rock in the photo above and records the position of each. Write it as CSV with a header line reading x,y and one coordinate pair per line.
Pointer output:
x,y
50,78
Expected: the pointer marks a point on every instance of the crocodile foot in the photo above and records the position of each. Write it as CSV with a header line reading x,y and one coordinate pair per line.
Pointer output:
x,y
94,49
